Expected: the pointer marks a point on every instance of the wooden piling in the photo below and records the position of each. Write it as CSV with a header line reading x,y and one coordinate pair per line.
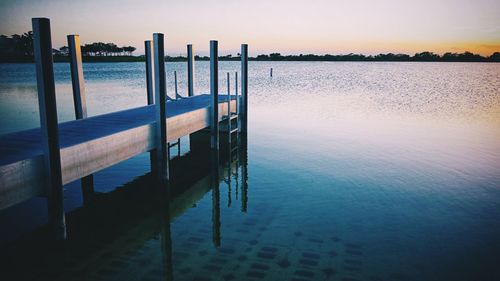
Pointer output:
x,y
161,114
150,91
77,81
244,88
229,121
190,62
80,102
214,92
177,96
42,47
149,71
237,100
271,72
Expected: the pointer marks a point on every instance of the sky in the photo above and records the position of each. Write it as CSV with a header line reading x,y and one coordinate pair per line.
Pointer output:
x,y
283,26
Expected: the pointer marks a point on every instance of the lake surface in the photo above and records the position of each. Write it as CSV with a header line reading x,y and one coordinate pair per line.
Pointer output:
x,y
353,171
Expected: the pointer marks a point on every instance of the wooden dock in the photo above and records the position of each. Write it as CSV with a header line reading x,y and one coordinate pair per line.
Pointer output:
x,y
39,161
92,144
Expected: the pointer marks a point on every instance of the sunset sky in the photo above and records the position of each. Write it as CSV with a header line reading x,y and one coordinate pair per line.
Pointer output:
x,y
285,26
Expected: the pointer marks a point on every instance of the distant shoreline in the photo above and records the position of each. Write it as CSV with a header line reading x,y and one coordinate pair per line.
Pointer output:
x,y
294,58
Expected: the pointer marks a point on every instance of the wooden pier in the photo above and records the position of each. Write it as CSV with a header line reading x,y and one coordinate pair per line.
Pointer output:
x,y
38,162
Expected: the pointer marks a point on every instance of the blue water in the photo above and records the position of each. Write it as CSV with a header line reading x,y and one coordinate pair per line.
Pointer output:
x,y
356,171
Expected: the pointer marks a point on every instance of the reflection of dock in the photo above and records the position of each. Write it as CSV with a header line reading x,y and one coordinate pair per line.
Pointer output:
x,y
39,162
124,223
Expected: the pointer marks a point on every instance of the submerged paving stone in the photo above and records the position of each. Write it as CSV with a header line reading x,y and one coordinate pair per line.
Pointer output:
x,y
284,263
227,251
260,266
351,268
310,255
211,267
308,262
269,249
329,272
332,254
266,255
304,273
353,262
349,279
256,274
218,260
353,245
315,240
195,239
201,278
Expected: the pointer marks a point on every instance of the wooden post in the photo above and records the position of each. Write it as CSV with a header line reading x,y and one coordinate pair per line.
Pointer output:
x,y
214,91
271,72
149,71
237,99
80,102
190,60
161,114
42,47
244,88
229,113
150,92
177,96
77,81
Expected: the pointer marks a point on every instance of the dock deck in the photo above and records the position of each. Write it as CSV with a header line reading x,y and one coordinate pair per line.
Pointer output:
x,y
92,144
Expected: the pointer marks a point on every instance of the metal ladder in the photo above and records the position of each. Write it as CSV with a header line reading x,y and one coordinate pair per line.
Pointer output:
x,y
177,96
232,116
232,131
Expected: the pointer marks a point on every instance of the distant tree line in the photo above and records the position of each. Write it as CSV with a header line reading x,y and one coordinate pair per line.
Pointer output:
x,y
424,56
20,48
100,49
17,45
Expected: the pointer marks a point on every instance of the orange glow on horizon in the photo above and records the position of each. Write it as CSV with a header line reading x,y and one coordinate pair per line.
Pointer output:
x,y
283,26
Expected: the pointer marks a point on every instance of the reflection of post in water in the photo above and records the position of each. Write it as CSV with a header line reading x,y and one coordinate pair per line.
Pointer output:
x,y
214,182
229,170
165,235
244,179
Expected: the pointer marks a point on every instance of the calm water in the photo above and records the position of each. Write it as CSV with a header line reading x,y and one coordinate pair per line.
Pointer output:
x,y
353,171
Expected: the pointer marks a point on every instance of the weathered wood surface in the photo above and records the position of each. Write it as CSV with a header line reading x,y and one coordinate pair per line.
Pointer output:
x,y
92,144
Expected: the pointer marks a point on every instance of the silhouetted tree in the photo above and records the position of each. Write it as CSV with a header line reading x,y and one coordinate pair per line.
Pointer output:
x,y
495,57
426,56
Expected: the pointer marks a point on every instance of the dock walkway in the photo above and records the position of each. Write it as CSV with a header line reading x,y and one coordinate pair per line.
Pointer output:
x,y
92,144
